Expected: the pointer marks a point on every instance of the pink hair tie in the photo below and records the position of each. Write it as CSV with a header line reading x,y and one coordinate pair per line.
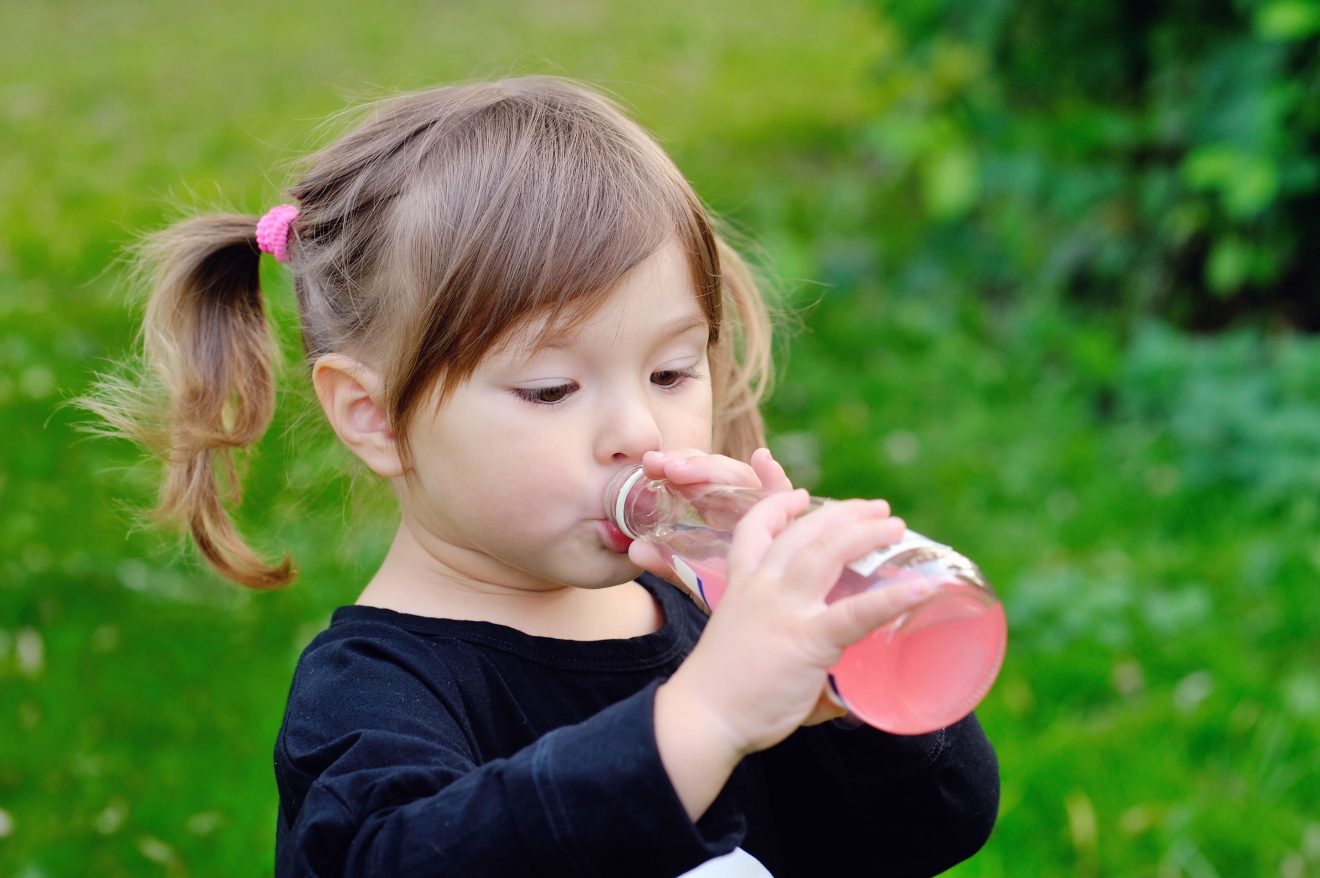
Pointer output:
x,y
273,230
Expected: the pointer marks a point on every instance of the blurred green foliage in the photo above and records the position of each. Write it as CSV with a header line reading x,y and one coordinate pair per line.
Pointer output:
x,y
1239,411
1151,158
997,222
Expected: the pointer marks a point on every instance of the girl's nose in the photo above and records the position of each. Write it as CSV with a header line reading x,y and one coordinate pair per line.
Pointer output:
x,y
628,430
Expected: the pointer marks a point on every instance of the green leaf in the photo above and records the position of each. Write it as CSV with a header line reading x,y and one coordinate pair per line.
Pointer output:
x,y
1288,19
950,183
1228,266
1247,183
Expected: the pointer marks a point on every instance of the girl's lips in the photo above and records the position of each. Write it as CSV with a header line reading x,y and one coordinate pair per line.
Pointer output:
x,y
614,538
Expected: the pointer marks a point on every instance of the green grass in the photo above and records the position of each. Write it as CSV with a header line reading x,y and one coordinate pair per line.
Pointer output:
x,y
1159,708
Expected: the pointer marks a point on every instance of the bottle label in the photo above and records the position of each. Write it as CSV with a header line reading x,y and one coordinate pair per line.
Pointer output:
x,y
870,562
690,579
834,696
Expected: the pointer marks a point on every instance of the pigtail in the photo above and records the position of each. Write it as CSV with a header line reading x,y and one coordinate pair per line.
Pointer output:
x,y
208,389
741,362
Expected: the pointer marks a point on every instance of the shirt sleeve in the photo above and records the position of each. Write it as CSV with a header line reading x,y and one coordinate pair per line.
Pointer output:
x,y
400,790
858,799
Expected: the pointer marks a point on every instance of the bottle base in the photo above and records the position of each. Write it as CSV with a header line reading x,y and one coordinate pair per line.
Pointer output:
x,y
929,672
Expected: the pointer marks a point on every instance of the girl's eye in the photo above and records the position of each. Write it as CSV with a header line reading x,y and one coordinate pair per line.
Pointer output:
x,y
545,395
672,377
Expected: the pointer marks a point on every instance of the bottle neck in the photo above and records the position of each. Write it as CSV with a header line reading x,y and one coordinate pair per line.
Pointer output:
x,y
642,508
653,509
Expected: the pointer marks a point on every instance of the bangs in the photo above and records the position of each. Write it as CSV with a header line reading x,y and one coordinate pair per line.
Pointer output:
x,y
534,215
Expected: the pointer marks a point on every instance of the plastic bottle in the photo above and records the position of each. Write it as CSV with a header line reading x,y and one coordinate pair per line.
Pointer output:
x,y
925,670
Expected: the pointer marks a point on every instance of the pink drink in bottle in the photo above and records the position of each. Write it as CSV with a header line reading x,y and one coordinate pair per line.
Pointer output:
x,y
925,670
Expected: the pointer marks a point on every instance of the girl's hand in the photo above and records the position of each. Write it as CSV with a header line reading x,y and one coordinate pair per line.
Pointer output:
x,y
690,466
696,469
758,671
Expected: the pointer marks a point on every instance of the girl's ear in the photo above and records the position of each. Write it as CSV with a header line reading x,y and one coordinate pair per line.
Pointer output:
x,y
351,396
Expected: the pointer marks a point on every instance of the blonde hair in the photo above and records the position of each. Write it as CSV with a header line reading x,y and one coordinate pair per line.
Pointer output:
x,y
445,219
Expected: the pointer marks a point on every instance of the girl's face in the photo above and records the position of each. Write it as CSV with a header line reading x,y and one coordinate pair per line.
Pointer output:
x,y
511,470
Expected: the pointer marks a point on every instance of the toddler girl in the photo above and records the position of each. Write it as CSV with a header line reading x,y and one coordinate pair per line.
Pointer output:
x,y
508,293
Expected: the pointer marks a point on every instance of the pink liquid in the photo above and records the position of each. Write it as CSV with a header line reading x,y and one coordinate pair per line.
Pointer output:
x,y
926,670
714,579
929,672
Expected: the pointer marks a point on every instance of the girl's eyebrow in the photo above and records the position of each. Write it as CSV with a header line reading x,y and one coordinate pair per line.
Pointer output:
x,y
680,325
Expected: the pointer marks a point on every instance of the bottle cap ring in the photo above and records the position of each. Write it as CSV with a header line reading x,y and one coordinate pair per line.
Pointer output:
x,y
620,499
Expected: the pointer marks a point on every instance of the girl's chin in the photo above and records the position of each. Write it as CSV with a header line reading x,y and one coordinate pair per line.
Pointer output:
x,y
617,570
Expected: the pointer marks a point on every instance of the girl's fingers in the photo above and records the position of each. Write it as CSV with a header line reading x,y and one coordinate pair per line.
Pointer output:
x,y
812,552
808,552
649,557
818,570
759,527
712,469
768,470
690,466
653,462
847,621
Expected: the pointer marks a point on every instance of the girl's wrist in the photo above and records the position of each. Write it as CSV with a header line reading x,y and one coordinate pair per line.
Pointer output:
x,y
698,750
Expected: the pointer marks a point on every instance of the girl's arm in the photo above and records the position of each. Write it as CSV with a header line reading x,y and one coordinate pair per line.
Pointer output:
x,y
384,770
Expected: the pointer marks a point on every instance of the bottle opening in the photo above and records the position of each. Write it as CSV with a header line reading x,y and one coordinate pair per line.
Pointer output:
x,y
616,498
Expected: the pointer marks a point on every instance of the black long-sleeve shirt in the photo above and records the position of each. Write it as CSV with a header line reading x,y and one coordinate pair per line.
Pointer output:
x,y
419,746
